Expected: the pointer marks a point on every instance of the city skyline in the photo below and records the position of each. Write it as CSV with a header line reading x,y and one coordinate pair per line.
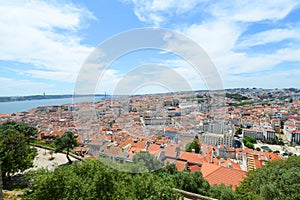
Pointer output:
x,y
45,43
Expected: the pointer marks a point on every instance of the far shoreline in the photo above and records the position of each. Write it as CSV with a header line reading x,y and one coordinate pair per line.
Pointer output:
x,y
5,99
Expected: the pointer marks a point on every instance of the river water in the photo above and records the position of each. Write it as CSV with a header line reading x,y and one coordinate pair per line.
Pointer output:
x,y
20,106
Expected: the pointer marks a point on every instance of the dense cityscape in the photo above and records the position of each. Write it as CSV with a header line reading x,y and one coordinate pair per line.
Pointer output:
x,y
259,126
154,100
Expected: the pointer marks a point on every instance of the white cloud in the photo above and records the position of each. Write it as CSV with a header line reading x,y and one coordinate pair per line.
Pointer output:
x,y
151,75
211,36
220,36
11,87
45,35
252,10
269,36
157,12
224,34
284,79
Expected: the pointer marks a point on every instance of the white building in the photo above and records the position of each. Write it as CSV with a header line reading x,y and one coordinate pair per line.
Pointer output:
x,y
217,139
256,133
269,134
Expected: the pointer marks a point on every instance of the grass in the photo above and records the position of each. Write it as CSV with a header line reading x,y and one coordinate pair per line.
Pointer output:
x,y
42,143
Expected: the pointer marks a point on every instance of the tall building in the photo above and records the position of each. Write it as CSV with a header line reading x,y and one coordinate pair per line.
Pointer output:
x,y
218,133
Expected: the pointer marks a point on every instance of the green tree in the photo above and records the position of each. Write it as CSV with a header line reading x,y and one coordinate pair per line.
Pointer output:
x,y
147,160
66,142
239,131
193,145
192,182
94,180
171,168
21,127
221,192
280,179
249,145
1,184
248,141
15,153
27,130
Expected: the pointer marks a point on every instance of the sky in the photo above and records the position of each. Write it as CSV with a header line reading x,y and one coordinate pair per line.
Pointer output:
x,y
45,44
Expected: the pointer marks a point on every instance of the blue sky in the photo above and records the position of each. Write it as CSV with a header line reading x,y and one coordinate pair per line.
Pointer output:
x,y
45,43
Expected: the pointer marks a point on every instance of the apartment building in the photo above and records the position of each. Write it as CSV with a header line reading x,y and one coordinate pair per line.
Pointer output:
x,y
256,133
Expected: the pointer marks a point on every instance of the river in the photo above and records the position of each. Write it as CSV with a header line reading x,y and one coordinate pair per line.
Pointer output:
x,y
20,106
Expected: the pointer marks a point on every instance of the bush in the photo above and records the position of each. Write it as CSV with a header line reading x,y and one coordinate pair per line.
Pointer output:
x,y
280,179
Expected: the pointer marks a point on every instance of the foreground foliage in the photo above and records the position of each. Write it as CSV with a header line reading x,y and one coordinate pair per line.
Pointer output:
x,y
278,180
94,180
15,153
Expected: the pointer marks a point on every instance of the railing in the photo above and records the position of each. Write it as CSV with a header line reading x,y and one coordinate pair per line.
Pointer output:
x,y
193,196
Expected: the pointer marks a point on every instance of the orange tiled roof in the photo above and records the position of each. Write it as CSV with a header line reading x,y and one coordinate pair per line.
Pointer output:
x,y
227,176
180,165
208,168
79,139
193,157
194,168
234,165
272,156
153,148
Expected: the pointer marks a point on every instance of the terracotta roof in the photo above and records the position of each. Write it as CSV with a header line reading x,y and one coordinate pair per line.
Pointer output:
x,y
234,165
227,176
258,163
57,133
170,150
193,157
113,150
272,156
208,168
153,148
194,168
79,139
180,165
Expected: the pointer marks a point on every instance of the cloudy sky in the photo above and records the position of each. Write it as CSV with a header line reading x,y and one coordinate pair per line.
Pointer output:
x,y
44,44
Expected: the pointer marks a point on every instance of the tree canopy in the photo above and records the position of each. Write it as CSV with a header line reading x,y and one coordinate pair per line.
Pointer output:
x,y
236,96
66,142
278,180
193,145
248,141
147,160
92,179
28,131
15,153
